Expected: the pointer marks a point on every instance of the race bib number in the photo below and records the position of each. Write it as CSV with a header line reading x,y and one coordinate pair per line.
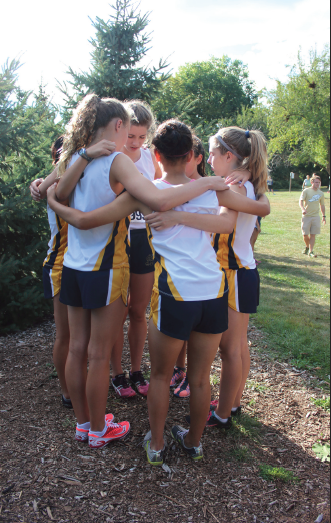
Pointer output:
x,y
137,216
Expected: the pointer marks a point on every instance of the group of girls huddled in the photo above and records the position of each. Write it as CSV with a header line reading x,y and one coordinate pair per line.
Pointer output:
x,y
186,252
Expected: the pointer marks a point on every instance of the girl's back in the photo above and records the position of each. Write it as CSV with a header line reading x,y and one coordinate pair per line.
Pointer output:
x,y
104,247
186,265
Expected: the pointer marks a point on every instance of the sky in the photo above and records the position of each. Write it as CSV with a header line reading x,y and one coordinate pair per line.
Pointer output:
x,y
265,34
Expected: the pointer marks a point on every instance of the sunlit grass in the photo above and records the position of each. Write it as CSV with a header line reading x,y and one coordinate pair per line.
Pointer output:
x,y
295,289
272,473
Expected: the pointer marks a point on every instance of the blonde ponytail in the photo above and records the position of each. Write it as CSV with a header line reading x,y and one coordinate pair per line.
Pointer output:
x,y
257,162
79,130
250,148
91,114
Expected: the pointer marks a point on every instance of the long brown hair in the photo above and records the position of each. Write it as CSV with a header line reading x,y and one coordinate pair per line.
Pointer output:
x,y
251,146
91,114
198,149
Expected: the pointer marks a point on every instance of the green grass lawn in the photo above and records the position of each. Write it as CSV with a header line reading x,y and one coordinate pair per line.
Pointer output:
x,y
295,289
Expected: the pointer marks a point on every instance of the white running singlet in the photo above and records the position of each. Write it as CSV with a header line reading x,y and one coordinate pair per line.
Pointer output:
x,y
234,251
144,165
186,266
101,248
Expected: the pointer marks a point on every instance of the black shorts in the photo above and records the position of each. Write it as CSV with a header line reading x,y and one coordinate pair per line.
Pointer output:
x,y
52,277
141,254
178,319
94,289
244,290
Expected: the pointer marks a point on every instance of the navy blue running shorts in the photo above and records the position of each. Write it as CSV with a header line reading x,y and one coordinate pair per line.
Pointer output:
x,y
178,319
141,254
52,277
94,289
244,290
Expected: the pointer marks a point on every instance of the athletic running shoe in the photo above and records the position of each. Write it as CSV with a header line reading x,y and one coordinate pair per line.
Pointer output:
x,y
177,377
121,386
115,431
179,434
237,412
183,391
305,251
214,405
139,382
66,402
154,457
312,254
212,421
82,434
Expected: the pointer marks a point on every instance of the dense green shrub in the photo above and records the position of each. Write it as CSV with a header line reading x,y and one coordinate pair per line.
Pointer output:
x,y
27,130
24,234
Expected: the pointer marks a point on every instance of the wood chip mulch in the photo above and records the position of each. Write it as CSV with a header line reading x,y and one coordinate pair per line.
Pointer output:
x,y
46,476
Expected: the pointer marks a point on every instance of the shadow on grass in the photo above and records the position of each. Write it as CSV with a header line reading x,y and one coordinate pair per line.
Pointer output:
x,y
272,262
293,313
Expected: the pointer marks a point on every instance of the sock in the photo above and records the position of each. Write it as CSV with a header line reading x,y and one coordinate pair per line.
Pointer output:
x,y
235,409
102,433
221,419
84,426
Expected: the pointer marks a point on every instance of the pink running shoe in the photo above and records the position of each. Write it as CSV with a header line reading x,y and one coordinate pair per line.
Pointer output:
x,y
213,405
183,391
114,432
177,377
82,434
121,386
139,382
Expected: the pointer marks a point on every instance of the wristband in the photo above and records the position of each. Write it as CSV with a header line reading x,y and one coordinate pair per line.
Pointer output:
x,y
82,153
324,216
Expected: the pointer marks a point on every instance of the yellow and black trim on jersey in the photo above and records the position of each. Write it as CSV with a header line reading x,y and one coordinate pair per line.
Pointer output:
x,y
59,246
162,280
223,246
117,251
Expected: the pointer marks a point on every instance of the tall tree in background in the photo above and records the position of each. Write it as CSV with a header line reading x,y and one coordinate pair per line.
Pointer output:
x,y
27,130
217,88
119,46
300,113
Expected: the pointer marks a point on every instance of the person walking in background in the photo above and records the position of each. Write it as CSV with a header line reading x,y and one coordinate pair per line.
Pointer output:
x,y
270,184
306,182
311,200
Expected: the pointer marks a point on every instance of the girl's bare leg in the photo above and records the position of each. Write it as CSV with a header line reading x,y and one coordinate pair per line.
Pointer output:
x,y
76,366
181,360
232,372
246,363
163,351
61,344
106,324
141,286
202,349
116,355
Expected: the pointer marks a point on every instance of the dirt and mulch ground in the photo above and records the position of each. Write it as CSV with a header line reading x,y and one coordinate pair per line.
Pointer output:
x,y
46,476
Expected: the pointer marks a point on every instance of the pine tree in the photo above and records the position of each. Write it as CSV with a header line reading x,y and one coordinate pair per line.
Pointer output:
x,y
27,130
119,46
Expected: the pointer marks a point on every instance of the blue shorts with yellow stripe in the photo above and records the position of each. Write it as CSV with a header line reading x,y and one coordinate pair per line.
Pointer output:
x,y
52,277
94,289
141,254
244,290
178,319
